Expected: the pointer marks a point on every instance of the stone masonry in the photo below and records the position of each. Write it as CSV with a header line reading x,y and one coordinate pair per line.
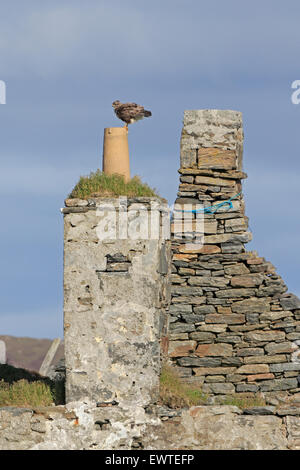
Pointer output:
x,y
82,426
115,293
233,327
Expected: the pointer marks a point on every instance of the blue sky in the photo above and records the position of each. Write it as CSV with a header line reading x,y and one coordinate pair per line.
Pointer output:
x,y
64,62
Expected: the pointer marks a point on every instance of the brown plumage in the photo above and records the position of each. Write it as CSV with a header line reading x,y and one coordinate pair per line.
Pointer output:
x,y
130,112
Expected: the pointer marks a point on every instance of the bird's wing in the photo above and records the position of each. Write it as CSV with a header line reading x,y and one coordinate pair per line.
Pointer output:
x,y
127,111
130,109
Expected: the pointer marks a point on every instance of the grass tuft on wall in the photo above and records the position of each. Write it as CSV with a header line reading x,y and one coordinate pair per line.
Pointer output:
x,y
176,394
23,388
98,184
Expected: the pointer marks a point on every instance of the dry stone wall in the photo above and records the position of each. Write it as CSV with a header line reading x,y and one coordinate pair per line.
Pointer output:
x,y
233,327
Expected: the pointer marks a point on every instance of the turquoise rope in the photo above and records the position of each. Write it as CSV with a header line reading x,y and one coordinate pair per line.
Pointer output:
x,y
214,208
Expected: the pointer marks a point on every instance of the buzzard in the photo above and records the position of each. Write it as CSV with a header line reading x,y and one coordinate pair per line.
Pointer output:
x,y
130,112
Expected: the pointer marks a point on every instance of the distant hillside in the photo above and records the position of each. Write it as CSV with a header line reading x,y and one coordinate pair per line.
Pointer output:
x,y
29,353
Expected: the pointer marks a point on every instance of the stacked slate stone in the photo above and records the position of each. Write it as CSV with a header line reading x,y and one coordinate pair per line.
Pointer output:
x,y
233,328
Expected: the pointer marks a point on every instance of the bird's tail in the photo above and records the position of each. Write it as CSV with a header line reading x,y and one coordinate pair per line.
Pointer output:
x,y
147,113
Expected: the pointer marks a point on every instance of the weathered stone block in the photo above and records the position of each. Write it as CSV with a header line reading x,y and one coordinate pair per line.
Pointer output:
x,y
253,369
207,180
278,384
202,336
227,319
278,348
218,349
277,358
207,281
250,352
199,361
236,269
204,309
181,348
216,159
213,370
285,366
200,248
251,306
290,302
265,336
219,388
250,280
235,293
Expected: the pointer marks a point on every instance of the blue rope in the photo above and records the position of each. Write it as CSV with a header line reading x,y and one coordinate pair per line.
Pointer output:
x,y
214,208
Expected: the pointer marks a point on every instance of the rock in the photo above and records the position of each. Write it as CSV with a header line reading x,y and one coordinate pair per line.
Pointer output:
x,y
180,308
218,328
213,370
192,318
207,281
181,348
235,293
202,336
290,302
265,336
224,310
288,410
216,159
232,247
241,388
181,327
253,369
255,261
227,319
259,410
199,362
189,248
231,361
242,237
214,350
204,309
207,180
278,348
228,338
257,377
236,225
273,316
251,306
186,291
250,352
278,384
236,269
265,359
218,388
214,378
293,432
250,280
285,366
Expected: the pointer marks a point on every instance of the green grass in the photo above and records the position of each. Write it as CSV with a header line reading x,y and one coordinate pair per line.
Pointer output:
x,y
244,402
177,394
98,184
25,394
23,388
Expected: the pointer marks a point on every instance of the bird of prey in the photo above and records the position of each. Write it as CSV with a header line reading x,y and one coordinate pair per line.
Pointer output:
x,y
130,112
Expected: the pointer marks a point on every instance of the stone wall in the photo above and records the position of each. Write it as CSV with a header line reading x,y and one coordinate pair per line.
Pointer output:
x,y
83,426
116,290
233,327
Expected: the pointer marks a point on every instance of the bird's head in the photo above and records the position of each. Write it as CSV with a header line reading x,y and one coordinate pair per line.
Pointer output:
x,y
116,103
